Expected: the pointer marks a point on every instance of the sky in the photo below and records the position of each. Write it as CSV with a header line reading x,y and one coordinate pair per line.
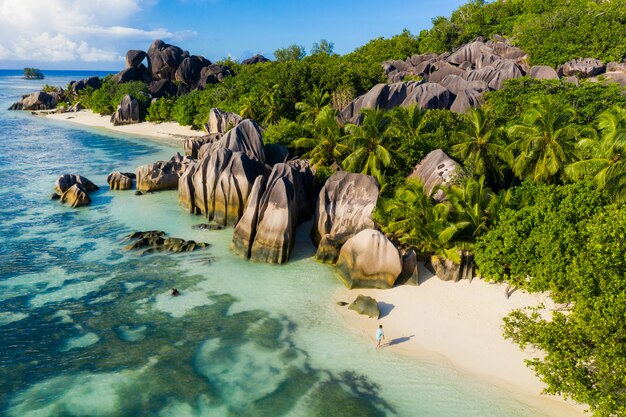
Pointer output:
x,y
95,34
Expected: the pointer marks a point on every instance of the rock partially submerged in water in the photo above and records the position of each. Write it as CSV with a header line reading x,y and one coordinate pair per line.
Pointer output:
x,y
155,241
343,209
120,180
266,232
161,175
369,260
218,185
66,181
75,196
208,226
365,305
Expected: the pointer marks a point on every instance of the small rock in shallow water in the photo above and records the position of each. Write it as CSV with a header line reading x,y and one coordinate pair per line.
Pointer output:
x,y
342,303
208,226
54,196
154,241
138,193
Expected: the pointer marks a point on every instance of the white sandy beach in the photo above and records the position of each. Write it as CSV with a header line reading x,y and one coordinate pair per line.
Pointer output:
x,y
461,324
166,130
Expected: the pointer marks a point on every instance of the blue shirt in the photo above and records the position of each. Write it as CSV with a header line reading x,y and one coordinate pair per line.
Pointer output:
x,y
379,334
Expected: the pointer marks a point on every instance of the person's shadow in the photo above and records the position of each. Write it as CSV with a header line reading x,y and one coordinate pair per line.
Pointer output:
x,y
398,340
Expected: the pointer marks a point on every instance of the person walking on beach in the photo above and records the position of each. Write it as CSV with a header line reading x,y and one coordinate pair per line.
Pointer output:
x,y
379,335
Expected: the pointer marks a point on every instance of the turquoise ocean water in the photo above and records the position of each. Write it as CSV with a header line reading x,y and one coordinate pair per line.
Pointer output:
x,y
87,329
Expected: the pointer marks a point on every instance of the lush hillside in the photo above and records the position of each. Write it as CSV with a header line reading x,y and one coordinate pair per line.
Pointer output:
x,y
550,31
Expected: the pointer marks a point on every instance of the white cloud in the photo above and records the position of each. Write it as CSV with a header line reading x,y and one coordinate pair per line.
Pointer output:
x,y
72,30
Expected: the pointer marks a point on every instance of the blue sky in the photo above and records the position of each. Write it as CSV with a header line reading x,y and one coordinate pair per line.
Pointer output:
x,y
95,34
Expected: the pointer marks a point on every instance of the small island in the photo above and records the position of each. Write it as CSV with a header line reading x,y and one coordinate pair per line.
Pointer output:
x,y
33,74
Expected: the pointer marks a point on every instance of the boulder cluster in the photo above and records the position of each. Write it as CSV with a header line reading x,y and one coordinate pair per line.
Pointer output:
x,y
73,190
170,70
457,80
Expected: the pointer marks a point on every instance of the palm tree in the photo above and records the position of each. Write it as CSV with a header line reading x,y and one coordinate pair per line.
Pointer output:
x,y
417,220
546,141
607,155
478,147
408,121
273,102
370,144
472,204
324,148
312,105
250,108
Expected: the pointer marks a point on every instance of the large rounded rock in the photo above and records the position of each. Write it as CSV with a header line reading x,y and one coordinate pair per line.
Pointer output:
x,y
139,73
189,70
39,101
439,70
616,67
266,232
127,112
91,82
369,260
582,68
617,77
221,121
256,59
375,97
75,196
192,145
161,175
245,138
466,100
186,197
448,270
430,96
162,88
543,72
164,60
220,186
344,208
120,180
457,84
435,169
135,57
66,181
471,52
245,231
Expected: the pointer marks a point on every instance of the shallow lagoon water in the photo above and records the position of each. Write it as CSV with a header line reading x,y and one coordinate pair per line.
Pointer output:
x,y
88,329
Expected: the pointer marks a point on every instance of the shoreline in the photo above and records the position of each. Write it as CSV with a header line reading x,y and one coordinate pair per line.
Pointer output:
x,y
460,325
86,118
455,324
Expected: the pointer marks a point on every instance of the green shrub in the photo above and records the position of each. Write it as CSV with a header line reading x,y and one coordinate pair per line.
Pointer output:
x,y
284,132
160,110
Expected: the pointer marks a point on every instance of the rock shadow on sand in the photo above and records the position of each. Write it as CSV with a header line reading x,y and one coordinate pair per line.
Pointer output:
x,y
384,309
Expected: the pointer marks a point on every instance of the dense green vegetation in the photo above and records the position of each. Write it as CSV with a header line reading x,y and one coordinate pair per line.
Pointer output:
x,y
33,74
550,31
105,99
539,199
